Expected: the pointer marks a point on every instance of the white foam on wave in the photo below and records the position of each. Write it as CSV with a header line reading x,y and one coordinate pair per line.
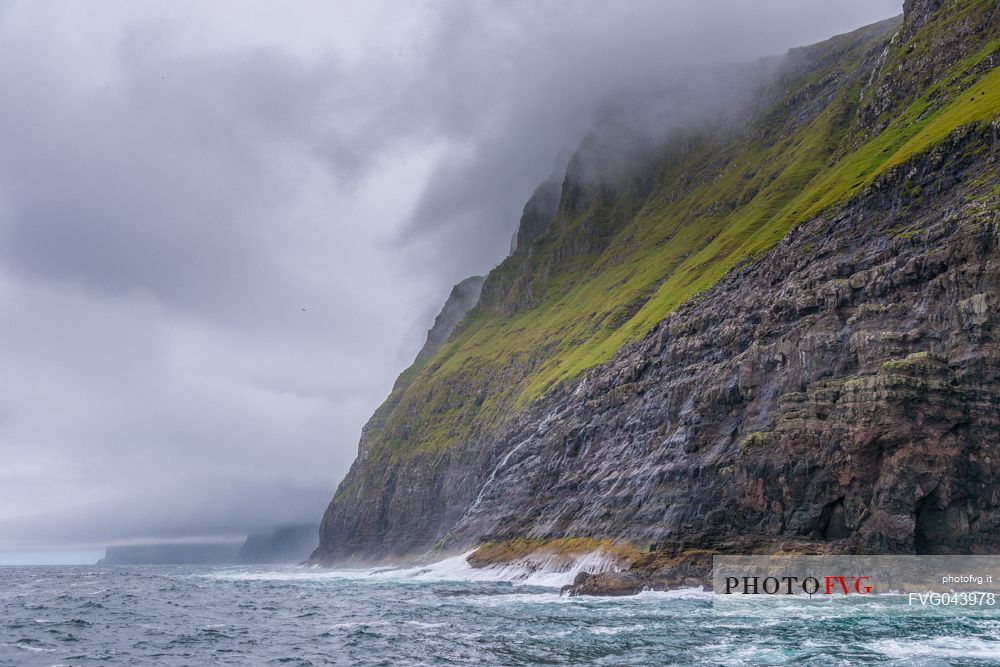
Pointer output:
x,y
938,647
546,570
607,630
650,598
33,649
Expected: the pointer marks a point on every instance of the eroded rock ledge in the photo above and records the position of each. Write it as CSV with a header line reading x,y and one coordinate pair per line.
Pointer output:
x,y
617,568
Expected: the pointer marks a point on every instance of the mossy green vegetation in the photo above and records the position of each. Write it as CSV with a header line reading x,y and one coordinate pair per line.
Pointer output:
x,y
913,362
509,551
754,439
604,276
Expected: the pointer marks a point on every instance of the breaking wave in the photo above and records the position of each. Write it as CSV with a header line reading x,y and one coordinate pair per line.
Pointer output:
x,y
544,570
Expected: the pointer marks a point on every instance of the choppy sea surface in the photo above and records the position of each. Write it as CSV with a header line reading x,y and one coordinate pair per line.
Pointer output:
x,y
443,615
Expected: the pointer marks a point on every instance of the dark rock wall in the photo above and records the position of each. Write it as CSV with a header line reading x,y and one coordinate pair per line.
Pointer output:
x,y
838,392
537,215
841,390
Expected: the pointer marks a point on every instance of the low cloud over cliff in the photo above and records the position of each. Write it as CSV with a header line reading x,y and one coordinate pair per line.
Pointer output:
x,y
225,227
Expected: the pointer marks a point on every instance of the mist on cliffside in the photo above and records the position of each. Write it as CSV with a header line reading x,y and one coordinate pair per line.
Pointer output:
x,y
226,227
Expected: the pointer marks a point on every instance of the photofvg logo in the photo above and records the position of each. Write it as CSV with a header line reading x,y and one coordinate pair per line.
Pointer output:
x,y
793,585
903,582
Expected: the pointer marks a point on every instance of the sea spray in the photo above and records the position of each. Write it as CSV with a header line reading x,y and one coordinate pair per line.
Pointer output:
x,y
540,569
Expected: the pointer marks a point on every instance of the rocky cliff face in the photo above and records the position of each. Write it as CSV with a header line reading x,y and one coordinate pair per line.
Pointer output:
x,y
842,389
462,299
779,336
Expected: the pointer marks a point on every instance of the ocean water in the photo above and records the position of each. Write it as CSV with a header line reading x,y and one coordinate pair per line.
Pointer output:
x,y
446,614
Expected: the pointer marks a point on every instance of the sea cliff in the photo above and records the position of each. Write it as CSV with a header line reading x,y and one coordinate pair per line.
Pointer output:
x,y
772,331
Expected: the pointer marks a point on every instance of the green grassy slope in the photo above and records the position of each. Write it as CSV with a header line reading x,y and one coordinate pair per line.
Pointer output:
x,y
604,276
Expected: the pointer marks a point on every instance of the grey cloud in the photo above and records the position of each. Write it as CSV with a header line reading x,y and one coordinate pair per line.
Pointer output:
x,y
219,245
563,67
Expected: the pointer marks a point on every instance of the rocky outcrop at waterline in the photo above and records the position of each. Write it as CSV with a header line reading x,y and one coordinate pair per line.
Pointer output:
x,y
801,352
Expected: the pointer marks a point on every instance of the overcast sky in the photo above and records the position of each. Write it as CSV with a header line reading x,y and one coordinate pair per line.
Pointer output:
x,y
225,226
